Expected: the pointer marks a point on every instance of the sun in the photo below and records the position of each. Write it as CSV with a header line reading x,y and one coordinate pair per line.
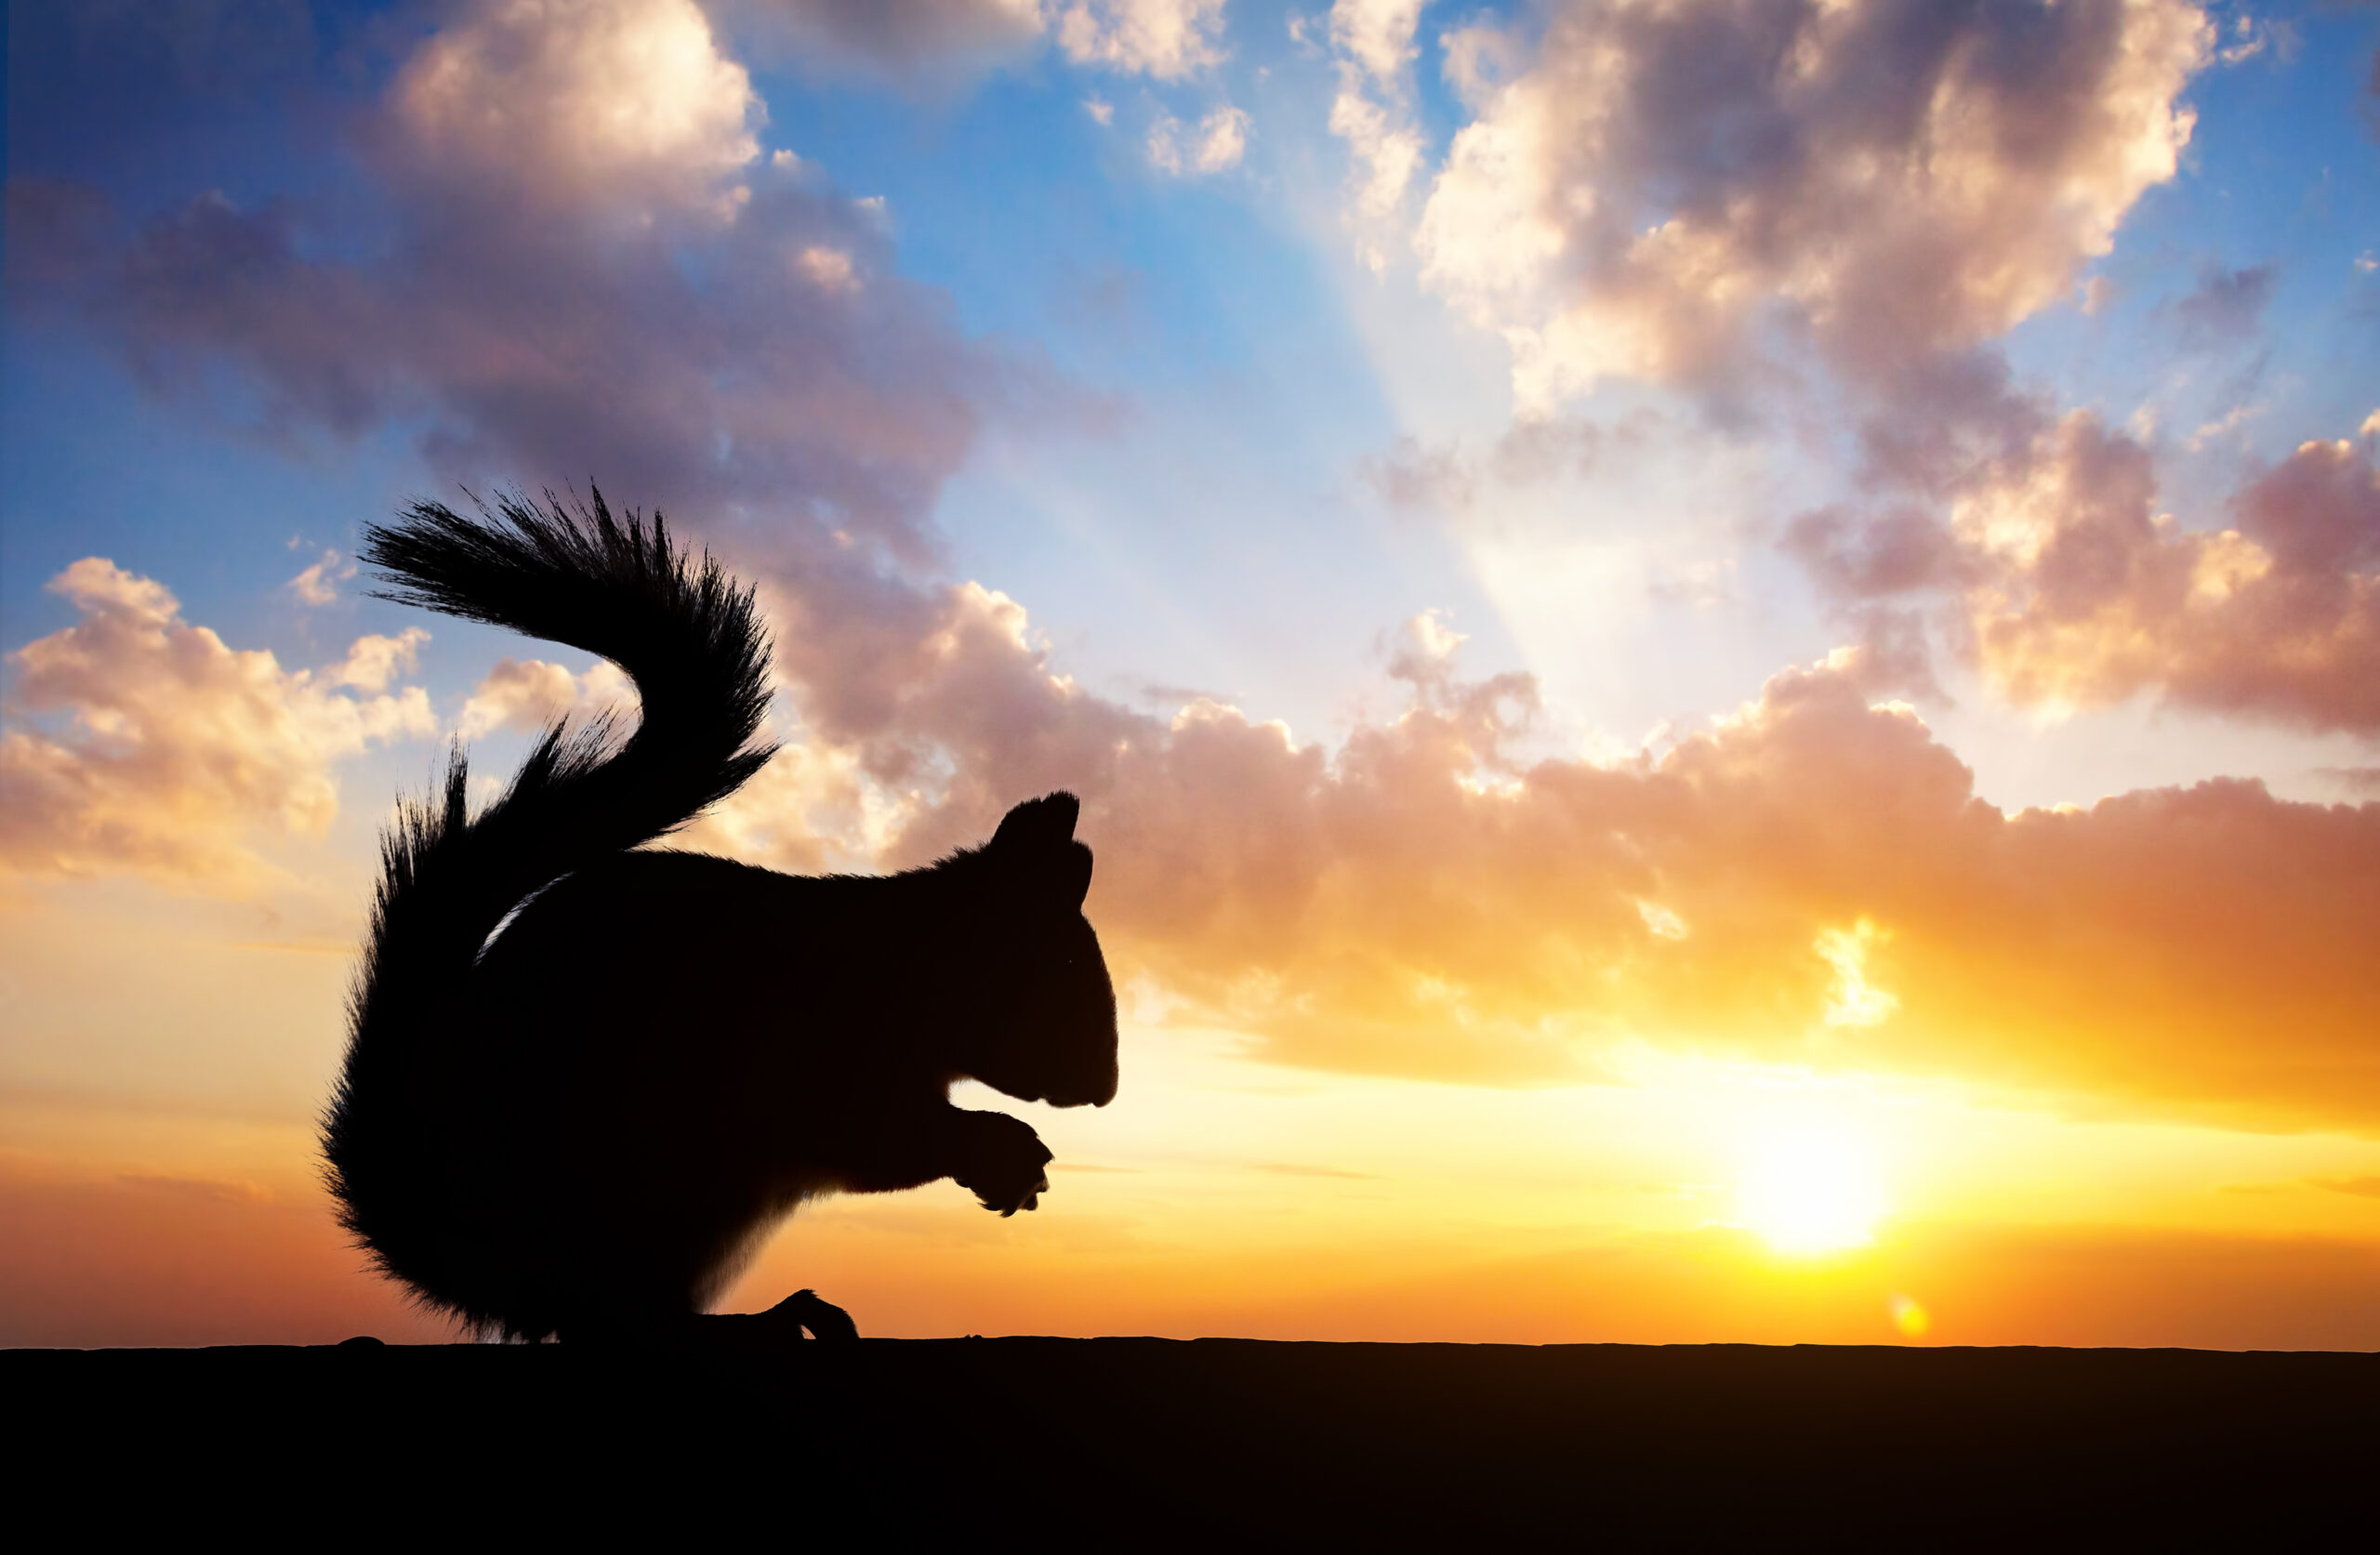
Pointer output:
x,y
1808,1188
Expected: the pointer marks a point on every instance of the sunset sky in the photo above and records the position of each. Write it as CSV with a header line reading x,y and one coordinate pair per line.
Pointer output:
x,y
1724,655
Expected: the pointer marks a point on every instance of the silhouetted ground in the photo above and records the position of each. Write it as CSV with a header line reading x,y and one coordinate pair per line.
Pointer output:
x,y
1138,1443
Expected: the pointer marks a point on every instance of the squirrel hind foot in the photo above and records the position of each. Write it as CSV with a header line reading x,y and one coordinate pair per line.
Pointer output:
x,y
808,1309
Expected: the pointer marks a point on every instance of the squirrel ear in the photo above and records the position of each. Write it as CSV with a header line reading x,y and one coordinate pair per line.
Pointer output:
x,y
1039,824
1035,846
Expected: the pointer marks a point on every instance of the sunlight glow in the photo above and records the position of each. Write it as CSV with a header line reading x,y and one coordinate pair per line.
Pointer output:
x,y
1856,1001
1811,1190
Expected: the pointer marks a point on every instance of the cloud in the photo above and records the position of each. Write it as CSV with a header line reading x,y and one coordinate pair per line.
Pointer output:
x,y
1214,145
1448,477
173,747
1372,111
525,695
659,304
2362,781
2070,588
1664,179
1377,35
1168,39
318,585
221,1191
373,662
625,103
896,34
587,267
1811,881
2226,306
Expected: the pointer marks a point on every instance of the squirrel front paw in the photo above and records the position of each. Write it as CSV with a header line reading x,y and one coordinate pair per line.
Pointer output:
x,y
1000,1160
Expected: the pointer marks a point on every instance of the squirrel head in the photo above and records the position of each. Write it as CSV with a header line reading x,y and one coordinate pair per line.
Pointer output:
x,y
1049,1027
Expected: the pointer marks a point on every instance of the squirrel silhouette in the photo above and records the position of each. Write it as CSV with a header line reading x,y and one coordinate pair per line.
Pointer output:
x,y
583,1078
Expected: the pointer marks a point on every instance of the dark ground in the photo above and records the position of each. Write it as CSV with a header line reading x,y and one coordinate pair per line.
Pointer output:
x,y
1153,1444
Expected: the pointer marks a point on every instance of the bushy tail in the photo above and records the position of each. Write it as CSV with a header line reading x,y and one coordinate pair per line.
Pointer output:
x,y
689,639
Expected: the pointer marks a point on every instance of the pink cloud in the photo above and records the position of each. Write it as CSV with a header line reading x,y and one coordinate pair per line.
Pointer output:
x,y
2058,576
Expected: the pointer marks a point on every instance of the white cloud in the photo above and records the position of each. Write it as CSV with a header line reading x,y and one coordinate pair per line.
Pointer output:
x,y
1214,145
1164,38
1376,34
1372,111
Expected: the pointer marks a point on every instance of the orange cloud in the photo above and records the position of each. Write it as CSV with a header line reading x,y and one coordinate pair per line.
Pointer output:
x,y
1811,881
162,748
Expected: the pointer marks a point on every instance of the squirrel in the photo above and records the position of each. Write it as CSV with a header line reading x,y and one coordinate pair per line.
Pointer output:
x,y
584,1078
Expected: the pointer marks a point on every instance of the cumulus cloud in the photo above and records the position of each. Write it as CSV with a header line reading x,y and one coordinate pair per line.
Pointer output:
x,y
1376,36
571,102
1214,145
1664,179
525,695
143,742
1168,39
2068,587
590,270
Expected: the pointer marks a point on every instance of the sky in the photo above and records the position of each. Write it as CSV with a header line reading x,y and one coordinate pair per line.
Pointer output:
x,y
1724,655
